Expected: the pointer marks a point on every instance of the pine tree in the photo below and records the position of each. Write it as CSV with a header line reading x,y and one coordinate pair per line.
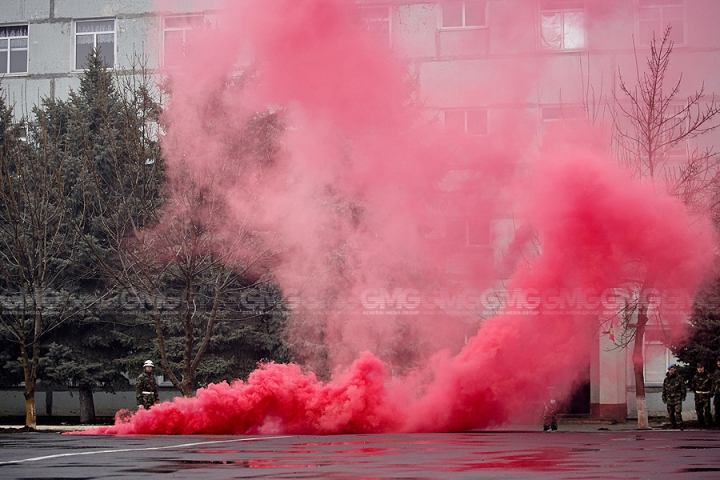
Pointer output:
x,y
703,342
146,248
118,255
102,131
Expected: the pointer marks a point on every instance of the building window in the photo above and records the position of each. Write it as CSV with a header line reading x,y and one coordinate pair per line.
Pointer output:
x,y
468,231
177,32
655,15
90,34
562,24
376,20
14,49
675,124
469,122
554,114
657,358
464,14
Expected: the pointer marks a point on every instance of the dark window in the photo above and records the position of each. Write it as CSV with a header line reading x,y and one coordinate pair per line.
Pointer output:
x,y
376,20
656,15
177,31
464,14
470,122
14,49
467,231
478,232
561,113
477,122
91,34
455,121
562,24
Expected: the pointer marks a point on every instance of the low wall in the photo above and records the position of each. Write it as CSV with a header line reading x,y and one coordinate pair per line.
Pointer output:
x,y
655,406
66,403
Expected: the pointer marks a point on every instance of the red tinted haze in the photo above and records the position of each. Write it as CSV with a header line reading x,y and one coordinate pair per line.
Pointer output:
x,y
354,205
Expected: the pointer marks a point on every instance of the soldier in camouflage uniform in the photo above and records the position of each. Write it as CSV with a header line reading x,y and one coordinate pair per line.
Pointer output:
x,y
701,384
146,390
673,394
550,411
716,393
550,415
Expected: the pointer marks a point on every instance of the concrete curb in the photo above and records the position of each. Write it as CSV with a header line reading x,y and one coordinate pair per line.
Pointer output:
x,y
45,428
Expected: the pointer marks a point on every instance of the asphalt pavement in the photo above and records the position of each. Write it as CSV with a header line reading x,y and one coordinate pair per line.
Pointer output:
x,y
583,450
573,424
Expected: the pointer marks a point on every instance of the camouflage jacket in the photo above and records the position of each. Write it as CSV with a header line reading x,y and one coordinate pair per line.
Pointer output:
x,y
701,383
716,383
146,383
673,392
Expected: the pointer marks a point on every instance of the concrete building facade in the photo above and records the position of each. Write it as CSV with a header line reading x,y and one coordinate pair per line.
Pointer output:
x,y
566,54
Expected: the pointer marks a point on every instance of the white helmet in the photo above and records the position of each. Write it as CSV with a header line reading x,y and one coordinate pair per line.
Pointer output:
x,y
148,363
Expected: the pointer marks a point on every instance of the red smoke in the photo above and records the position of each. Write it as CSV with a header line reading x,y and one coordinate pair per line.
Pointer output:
x,y
357,200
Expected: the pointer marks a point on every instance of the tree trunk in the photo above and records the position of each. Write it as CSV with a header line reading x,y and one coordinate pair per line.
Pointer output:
x,y
186,388
638,368
31,368
87,405
188,372
29,393
30,414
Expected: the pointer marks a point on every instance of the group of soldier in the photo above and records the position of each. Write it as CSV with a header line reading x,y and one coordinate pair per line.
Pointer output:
x,y
704,386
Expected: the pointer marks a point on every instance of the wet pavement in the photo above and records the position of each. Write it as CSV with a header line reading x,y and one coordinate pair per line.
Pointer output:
x,y
506,454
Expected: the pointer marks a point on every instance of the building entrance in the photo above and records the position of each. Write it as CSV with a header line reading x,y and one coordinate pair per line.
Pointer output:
x,y
578,403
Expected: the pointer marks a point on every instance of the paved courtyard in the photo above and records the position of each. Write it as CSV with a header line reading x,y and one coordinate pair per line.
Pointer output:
x,y
506,454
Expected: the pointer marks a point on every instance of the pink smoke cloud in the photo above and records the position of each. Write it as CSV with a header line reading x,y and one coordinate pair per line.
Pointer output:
x,y
357,200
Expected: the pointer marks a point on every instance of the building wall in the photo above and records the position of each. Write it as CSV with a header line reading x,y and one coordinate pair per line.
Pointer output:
x,y
51,69
456,67
610,400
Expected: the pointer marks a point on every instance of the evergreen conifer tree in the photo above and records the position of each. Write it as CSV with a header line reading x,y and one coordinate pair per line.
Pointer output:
x,y
703,342
102,131
106,304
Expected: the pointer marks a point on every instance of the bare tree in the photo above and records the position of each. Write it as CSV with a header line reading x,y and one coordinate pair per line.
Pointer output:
x,y
162,244
188,253
652,121
40,258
